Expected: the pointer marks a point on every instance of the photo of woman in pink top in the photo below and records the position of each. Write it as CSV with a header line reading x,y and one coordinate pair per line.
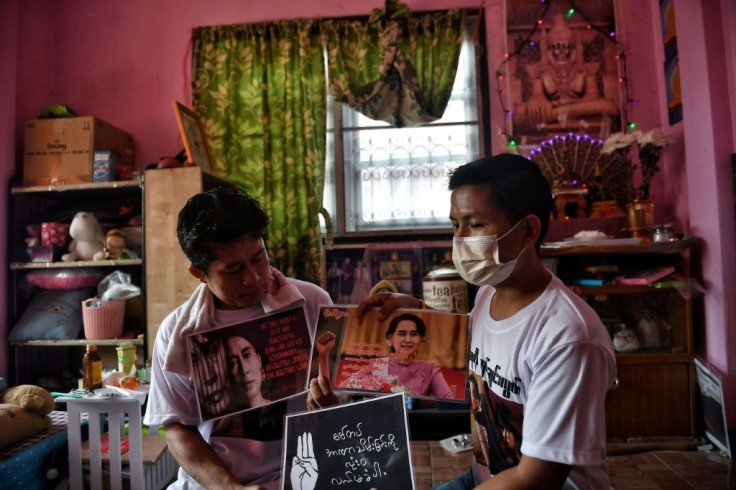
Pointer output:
x,y
404,335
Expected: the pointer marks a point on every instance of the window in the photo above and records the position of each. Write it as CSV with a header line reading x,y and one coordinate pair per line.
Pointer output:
x,y
387,179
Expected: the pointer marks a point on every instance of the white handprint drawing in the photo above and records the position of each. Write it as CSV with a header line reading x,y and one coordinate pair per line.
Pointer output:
x,y
304,465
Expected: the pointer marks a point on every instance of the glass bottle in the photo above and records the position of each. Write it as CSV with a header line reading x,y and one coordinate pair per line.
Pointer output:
x,y
92,365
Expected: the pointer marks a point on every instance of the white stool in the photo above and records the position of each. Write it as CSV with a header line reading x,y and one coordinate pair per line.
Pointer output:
x,y
147,464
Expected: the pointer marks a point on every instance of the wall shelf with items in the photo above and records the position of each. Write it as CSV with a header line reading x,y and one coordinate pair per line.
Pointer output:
x,y
655,397
46,335
161,270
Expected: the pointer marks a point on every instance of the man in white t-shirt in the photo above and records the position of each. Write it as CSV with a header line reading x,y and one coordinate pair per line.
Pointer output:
x,y
540,360
221,232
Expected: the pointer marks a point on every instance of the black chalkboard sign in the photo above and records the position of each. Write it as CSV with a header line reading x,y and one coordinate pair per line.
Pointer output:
x,y
360,445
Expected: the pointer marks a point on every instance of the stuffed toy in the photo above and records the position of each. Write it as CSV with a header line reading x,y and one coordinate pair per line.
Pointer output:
x,y
115,244
87,237
24,412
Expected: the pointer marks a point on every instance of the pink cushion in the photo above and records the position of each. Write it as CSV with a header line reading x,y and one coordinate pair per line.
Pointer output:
x,y
65,278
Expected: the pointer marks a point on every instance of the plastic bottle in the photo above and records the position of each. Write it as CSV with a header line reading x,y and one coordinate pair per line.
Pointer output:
x,y
92,364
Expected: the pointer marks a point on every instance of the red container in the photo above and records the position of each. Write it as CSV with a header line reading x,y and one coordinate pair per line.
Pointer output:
x,y
53,233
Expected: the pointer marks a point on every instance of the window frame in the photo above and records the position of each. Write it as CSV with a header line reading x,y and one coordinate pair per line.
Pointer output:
x,y
335,144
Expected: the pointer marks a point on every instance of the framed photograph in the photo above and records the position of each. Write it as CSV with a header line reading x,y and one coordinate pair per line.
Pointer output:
x,y
191,127
421,353
346,275
544,84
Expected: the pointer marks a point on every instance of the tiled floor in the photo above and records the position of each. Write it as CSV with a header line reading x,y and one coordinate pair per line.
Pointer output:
x,y
434,465
671,470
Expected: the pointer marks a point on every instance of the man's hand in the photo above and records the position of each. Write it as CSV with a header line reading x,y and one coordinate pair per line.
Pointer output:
x,y
304,464
320,394
387,302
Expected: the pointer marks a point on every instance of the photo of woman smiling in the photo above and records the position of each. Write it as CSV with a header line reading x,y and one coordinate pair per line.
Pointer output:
x,y
404,335
421,353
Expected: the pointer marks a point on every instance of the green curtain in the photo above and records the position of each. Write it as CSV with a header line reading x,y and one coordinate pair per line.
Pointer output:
x,y
261,91
398,67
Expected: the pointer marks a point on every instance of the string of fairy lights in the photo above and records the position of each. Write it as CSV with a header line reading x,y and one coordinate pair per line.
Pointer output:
x,y
609,33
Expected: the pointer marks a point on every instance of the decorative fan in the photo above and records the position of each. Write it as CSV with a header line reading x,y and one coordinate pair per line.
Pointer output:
x,y
569,160
574,166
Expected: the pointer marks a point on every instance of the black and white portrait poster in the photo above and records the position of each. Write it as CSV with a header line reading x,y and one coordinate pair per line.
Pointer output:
x,y
252,364
361,445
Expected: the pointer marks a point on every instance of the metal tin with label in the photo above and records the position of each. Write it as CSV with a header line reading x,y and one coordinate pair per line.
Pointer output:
x,y
443,289
103,166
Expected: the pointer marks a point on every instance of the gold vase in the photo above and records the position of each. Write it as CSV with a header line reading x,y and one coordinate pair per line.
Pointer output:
x,y
641,217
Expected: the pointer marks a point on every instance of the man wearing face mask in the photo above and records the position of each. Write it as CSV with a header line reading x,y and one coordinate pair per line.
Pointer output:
x,y
543,355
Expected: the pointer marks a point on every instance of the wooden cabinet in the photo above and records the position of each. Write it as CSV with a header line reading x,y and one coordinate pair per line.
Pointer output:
x,y
168,282
655,395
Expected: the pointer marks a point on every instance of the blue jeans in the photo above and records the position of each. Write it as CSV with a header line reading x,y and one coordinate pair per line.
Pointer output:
x,y
462,482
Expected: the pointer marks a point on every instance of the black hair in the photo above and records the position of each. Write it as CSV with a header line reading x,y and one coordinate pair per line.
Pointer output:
x,y
421,327
220,215
517,187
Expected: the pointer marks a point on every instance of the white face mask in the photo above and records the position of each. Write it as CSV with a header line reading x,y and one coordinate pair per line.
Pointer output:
x,y
476,259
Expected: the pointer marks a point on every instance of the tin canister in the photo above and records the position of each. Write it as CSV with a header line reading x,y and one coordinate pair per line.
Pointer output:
x,y
126,357
663,233
443,289
103,166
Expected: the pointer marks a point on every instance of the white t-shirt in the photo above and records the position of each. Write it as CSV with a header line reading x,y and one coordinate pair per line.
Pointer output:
x,y
172,398
545,372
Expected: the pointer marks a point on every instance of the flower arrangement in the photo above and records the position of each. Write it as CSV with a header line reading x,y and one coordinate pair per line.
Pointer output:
x,y
651,144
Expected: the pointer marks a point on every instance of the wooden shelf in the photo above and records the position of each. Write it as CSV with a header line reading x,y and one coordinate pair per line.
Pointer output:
x,y
87,186
118,202
659,382
77,342
654,358
77,264
645,247
620,289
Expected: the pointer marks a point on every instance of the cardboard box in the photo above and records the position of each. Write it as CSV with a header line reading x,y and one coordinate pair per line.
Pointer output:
x,y
61,151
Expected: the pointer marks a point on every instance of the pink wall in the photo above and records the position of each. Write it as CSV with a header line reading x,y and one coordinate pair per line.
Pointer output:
x,y
125,61
8,37
710,139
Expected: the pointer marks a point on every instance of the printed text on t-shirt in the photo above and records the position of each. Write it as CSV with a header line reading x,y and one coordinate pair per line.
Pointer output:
x,y
493,376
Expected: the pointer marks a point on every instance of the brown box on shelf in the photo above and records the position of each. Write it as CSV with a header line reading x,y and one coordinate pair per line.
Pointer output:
x,y
61,151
